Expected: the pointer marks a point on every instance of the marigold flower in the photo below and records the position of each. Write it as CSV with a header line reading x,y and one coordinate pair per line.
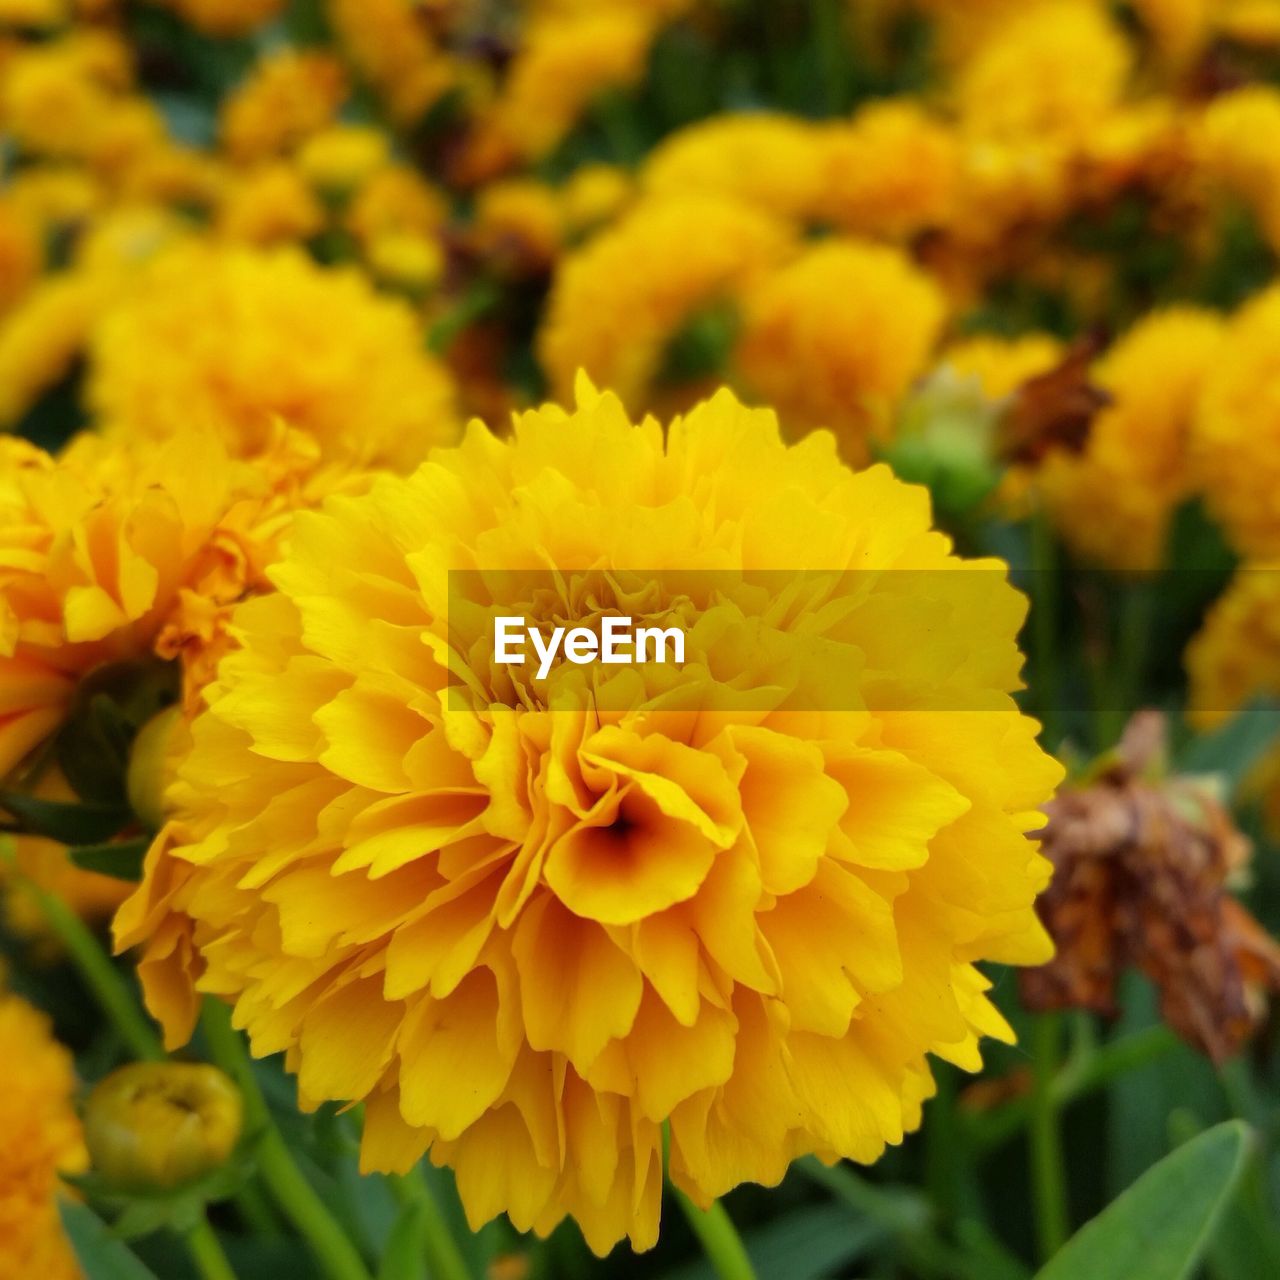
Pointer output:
x,y
412,263
343,157
41,337
835,338
770,161
159,1125
392,47
518,226
285,99
233,340
563,64
1236,653
1179,29
893,171
42,1139
528,934
593,195
225,17
46,865
1236,432
271,204
1113,500
1233,152
396,200
33,15
617,301
67,98
21,253
121,548
1057,66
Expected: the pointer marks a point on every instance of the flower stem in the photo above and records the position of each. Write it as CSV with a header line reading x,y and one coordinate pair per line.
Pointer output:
x,y
1047,1167
207,1253
1080,1076
333,1250
719,1238
101,976
446,1259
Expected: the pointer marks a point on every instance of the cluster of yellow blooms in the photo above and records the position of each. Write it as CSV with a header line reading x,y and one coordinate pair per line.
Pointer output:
x,y
529,936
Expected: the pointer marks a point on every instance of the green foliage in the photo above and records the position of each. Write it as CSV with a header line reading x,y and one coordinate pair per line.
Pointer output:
x,y
101,1254
1160,1227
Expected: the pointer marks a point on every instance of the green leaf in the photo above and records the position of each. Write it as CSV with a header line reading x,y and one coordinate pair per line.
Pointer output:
x,y
1233,750
1161,1226
71,823
121,858
100,1254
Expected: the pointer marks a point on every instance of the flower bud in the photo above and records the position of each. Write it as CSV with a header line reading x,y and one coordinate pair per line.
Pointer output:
x,y
151,765
159,1125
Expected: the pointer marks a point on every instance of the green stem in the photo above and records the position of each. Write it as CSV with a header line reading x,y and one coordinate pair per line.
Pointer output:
x,y
1048,1171
333,1250
207,1253
1082,1075
446,1258
719,1238
101,976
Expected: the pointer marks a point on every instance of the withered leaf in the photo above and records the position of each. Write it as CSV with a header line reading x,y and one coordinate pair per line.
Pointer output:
x,y
1053,410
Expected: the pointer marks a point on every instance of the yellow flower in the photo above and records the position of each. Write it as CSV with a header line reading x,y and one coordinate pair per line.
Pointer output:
x,y
563,64
773,162
342,158
21,253
1054,67
835,338
270,204
121,548
593,195
1236,433
1001,365
64,99
396,200
1235,658
1113,502
33,15
617,301
285,99
42,1139
41,337
232,340
160,1125
46,865
391,46
55,196
167,174
527,924
518,227
406,261
1251,22
1180,29
1233,151
891,172
225,17
1236,653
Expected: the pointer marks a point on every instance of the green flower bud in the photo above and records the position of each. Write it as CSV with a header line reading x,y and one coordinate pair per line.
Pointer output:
x,y
160,1125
